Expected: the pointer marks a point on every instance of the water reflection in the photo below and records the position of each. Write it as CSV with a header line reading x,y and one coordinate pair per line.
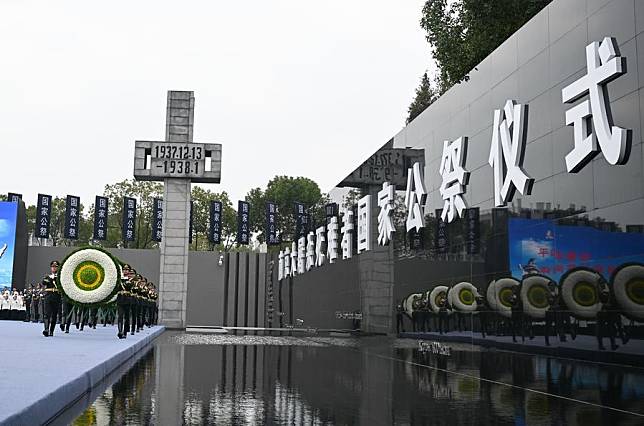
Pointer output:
x,y
367,381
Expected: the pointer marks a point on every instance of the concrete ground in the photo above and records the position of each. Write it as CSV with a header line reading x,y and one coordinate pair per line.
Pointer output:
x,y
40,376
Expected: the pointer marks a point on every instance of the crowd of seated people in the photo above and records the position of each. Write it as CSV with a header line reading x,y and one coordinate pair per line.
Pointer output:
x,y
12,305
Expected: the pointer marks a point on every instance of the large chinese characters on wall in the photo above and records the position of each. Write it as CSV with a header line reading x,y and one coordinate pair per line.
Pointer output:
x,y
593,130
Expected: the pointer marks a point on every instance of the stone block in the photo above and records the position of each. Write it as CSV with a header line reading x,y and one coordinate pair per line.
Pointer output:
x,y
171,234
178,259
179,121
179,130
177,214
172,305
173,251
179,103
168,279
183,112
174,205
177,138
173,268
176,223
171,314
180,94
172,287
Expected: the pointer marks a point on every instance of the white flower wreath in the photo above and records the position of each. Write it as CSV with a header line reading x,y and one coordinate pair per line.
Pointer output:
x,y
89,276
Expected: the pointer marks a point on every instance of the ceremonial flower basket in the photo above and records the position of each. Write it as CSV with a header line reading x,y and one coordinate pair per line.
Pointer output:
x,y
534,294
628,287
502,290
580,292
437,292
463,297
89,276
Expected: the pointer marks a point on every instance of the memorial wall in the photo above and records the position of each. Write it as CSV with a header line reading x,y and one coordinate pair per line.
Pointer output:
x,y
533,165
575,69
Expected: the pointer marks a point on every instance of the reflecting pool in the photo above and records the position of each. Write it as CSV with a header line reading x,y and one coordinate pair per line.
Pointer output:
x,y
210,379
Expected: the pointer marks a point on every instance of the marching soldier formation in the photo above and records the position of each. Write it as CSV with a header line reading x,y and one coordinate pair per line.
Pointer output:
x,y
135,305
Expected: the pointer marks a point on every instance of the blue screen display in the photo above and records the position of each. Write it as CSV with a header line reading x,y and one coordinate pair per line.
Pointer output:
x,y
8,218
553,249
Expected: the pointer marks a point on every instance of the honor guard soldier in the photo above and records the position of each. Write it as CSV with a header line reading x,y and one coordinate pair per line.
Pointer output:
x,y
399,318
52,299
442,315
136,304
516,319
35,302
484,314
551,312
27,299
123,301
66,318
155,308
605,321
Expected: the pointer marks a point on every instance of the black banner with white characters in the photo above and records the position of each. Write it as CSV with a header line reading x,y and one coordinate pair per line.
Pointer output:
x,y
100,218
43,216
129,219
416,239
157,219
14,198
271,224
331,210
72,214
243,225
441,242
300,221
473,230
215,222
192,205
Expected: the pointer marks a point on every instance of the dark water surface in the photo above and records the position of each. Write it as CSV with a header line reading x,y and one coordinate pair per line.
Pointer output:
x,y
204,379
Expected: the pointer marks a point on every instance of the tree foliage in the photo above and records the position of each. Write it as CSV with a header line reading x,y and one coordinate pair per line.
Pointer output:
x,y
201,199
285,191
425,96
144,192
463,32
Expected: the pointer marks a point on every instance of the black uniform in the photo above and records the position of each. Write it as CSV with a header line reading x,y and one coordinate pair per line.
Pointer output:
x,y
35,302
136,308
399,319
123,300
517,317
484,312
52,304
607,322
442,316
27,299
551,316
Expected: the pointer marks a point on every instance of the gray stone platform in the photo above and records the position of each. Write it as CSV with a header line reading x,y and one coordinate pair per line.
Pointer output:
x,y
42,376
583,347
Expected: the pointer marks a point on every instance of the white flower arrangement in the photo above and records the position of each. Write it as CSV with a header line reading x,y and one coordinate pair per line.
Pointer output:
x,y
580,292
89,276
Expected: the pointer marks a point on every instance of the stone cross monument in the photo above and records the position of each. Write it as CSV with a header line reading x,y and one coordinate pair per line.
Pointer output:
x,y
178,162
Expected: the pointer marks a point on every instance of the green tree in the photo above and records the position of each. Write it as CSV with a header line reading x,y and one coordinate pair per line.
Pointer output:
x,y
425,96
3,197
285,191
201,199
463,32
144,192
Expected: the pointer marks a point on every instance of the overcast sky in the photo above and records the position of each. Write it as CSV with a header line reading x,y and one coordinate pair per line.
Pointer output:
x,y
299,88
